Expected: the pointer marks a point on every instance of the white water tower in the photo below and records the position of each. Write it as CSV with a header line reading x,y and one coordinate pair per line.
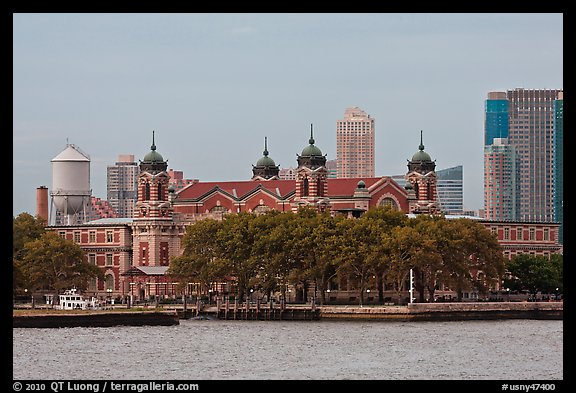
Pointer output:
x,y
71,185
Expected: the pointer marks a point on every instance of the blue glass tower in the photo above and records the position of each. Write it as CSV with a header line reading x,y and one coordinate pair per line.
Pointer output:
x,y
558,164
496,117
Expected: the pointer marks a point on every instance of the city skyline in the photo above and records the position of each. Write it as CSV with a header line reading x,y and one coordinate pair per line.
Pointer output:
x,y
212,86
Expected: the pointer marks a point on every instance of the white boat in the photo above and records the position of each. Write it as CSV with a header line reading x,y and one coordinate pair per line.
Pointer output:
x,y
70,300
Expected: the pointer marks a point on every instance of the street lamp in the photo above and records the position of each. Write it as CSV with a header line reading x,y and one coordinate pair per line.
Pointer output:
x,y
508,293
251,291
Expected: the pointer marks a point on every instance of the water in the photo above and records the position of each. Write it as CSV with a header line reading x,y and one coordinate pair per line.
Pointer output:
x,y
290,350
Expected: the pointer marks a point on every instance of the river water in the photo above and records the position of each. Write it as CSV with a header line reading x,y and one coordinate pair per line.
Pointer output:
x,y
295,350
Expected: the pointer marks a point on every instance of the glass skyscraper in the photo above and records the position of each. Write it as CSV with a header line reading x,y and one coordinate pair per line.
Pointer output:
x,y
529,120
558,163
496,119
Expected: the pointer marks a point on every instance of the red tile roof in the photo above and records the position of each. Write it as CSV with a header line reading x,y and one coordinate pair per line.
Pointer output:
x,y
238,189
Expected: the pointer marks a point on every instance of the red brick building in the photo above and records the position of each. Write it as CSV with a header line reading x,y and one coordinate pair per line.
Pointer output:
x,y
135,253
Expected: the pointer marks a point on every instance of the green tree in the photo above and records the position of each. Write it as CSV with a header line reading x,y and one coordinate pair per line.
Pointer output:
x,y
355,259
484,267
235,239
557,261
405,246
53,263
382,221
25,228
199,261
427,262
328,241
533,273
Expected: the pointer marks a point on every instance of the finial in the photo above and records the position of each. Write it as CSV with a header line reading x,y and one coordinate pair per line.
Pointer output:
x,y
266,146
153,147
421,147
311,141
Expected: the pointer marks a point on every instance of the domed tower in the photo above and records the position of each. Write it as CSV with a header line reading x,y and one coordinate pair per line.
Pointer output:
x,y
265,168
311,178
153,184
422,177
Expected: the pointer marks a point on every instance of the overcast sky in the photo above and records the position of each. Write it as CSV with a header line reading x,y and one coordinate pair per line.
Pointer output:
x,y
212,86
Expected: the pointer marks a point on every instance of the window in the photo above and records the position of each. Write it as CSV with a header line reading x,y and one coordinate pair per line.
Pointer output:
x,y
109,260
519,233
218,209
546,234
260,209
389,202
76,237
532,234
147,192
92,236
109,282
62,234
109,236
92,259
506,233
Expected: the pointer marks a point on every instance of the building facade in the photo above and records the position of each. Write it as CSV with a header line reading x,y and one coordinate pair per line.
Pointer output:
x,y
450,187
558,162
531,130
135,252
501,181
122,181
355,144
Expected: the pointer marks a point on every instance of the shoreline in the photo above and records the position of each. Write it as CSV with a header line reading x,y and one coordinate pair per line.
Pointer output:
x,y
449,311
110,318
47,318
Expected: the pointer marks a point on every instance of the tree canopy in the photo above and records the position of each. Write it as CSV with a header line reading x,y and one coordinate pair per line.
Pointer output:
x,y
267,252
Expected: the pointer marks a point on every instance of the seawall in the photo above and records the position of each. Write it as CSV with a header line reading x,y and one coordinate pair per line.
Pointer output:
x,y
95,319
448,311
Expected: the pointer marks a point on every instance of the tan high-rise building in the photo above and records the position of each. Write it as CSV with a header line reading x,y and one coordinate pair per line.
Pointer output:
x,y
355,144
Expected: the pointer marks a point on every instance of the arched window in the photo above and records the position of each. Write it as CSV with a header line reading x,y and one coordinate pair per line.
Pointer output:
x,y
305,187
160,198
109,281
261,209
319,187
147,192
218,209
389,202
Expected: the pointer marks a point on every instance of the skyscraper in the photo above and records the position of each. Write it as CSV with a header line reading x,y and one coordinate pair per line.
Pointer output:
x,y
501,181
558,164
122,185
450,189
531,132
355,144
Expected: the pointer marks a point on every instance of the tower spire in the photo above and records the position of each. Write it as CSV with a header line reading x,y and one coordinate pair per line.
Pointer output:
x,y
421,147
153,147
311,141
266,146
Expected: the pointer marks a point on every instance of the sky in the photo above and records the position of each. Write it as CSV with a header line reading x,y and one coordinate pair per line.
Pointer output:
x,y
212,86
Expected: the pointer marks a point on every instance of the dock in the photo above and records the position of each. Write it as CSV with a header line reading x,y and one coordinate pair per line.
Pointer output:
x,y
412,312
95,319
